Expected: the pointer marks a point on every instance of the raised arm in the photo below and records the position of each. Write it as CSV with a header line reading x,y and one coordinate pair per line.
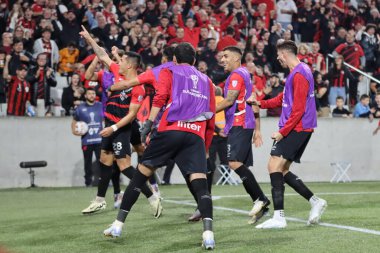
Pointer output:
x,y
100,52
90,74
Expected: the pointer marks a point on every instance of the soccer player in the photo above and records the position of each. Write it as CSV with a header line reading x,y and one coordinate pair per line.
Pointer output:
x,y
91,113
240,126
297,121
184,134
121,110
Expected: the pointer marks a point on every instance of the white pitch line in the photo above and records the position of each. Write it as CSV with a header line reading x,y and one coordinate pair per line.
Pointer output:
x,y
216,197
362,230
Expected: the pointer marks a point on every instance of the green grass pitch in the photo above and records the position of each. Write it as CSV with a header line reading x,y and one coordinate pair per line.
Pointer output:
x,y
49,220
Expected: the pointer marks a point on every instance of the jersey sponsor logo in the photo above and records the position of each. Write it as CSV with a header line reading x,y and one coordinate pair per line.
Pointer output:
x,y
27,89
234,83
84,110
189,125
92,84
140,98
195,80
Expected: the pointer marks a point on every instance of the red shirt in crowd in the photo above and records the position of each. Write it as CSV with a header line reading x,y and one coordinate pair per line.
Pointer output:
x,y
351,54
204,129
191,35
300,94
18,95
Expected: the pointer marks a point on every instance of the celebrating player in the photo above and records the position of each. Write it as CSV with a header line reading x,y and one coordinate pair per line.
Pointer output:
x,y
184,134
298,119
121,110
240,125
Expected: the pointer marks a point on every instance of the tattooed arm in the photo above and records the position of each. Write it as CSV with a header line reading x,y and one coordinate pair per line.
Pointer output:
x,y
232,95
100,52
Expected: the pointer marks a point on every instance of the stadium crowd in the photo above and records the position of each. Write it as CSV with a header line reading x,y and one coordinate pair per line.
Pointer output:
x,y
40,42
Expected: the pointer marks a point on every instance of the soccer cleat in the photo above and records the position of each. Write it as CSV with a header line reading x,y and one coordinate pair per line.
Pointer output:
x,y
94,207
272,223
196,216
113,231
208,242
318,206
156,207
259,209
117,200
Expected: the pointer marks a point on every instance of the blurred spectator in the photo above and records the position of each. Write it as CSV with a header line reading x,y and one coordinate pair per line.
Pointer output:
x,y
260,58
339,77
304,55
308,19
47,46
317,59
321,94
68,57
209,54
3,85
72,96
374,86
285,11
18,90
272,90
18,57
41,78
6,42
362,109
339,110
71,22
369,41
375,109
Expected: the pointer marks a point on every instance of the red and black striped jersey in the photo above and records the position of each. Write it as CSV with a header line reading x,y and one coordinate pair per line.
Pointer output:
x,y
18,95
119,101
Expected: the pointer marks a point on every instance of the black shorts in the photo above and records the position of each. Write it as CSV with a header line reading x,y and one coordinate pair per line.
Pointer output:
x,y
292,146
239,145
135,133
119,142
186,149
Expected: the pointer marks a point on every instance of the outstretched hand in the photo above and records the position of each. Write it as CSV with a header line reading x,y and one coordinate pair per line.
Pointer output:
x,y
84,33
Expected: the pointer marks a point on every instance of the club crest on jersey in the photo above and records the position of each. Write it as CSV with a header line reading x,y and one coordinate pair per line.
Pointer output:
x,y
234,83
195,80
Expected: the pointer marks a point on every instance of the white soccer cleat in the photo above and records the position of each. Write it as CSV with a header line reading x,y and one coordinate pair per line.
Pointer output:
x,y
156,206
273,224
196,216
318,206
117,200
259,209
208,241
113,231
94,207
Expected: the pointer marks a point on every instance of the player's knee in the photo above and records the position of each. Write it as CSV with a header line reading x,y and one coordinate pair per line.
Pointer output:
x,y
145,170
106,158
234,164
195,176
276,164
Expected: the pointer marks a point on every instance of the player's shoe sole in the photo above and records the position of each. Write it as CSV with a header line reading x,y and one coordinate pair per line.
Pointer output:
x,y
259,215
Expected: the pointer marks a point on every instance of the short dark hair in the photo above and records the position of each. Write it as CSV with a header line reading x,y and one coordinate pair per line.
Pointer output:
x,y
17,40
233,49
168,52
339,97
288,45
230,30
135,57
90,88
364,96
185,53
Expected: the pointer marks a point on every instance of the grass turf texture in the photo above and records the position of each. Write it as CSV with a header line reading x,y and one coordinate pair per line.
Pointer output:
x,y
49,220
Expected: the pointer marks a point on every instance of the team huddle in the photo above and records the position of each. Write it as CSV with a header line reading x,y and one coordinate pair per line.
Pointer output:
x,y
181,125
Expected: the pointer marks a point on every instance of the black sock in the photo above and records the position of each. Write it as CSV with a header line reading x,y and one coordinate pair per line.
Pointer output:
x,y
187,179
210,175
297,184
204,200
152,179
278,189
104,179
115,179
139,157
131,195
250,184
129,173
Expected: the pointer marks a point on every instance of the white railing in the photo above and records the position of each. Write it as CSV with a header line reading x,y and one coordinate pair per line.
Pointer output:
x,y
366,75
